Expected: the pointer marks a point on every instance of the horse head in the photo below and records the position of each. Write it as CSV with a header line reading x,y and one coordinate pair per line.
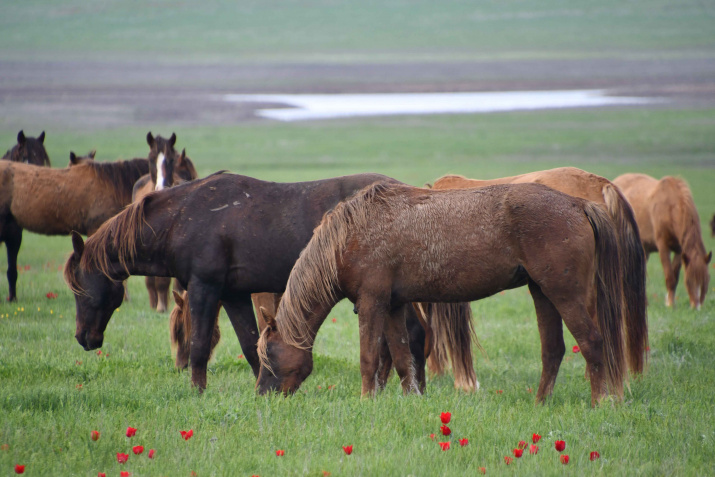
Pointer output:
x,y
283,367
76,160
96,297
161,153
29,150
697,277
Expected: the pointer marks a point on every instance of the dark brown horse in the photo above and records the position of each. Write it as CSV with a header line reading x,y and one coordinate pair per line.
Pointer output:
x,y
57,201
29,150
669,222
223,237
579,183
471,243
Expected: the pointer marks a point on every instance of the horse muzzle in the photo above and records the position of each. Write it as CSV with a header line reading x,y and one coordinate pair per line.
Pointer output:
x,y
89,341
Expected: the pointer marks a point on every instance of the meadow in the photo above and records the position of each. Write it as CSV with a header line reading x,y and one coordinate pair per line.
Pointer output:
x,y
53,393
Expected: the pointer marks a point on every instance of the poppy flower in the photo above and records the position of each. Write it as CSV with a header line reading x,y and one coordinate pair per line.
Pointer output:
x,y
193,474
431,436
122,458
95,435
445,417
564,459
101,474
131,431
240,356
521,445
576,349
331,387
19,469
99,352
518,452
151,453
445,430
124,473
483,470
51,295
138,449
535,438
326,473
499,391
444,445
334,320
560,445
187,434
348,449
280,453
533,449
508,460
463,442
594,455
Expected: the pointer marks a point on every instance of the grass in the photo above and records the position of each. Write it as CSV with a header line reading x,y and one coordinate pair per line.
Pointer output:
x,y
664,425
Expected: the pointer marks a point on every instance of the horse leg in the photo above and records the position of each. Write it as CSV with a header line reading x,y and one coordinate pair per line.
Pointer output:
x,y
203,301
671,279
162,285
384,367
150,283
240,312
371,317
552,340
398,342
418,345
12,236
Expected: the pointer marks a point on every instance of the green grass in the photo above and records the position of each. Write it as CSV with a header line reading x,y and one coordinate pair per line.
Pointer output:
x,y
664,426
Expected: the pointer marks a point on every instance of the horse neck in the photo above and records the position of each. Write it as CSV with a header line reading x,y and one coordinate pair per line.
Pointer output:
x,y
690,235
302,318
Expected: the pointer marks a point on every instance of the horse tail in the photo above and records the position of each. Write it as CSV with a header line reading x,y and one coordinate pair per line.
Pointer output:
x,y
609,295
633,261
452,335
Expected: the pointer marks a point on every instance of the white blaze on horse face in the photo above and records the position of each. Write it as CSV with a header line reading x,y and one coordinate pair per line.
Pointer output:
x,y
159,172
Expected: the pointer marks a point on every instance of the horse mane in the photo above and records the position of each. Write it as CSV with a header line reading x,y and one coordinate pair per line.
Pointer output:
x,y
120,176
314,277
691,220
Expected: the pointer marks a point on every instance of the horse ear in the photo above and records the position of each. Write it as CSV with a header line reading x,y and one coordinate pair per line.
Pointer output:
x,y
709,257
73,158
686,259
172,139
41,137
92,153
77,244
268,318
150,139
182,157
177,298
21,137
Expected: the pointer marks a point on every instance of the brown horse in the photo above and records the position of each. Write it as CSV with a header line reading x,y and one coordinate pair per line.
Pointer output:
x,y
579,183
669,222
471,243
29,150
223,237
57,201
76,160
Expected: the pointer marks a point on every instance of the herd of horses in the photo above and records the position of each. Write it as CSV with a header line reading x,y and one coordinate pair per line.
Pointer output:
x,y
410,259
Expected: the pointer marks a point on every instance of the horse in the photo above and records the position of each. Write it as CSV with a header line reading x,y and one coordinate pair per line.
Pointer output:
x,y
471,244
29,150
173,170
588,186
76,160
223,238
669,222
712,226
58,201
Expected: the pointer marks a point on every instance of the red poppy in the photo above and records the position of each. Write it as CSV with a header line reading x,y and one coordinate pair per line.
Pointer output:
x,y
576,349
463,442
518,452
151,453
499,391
334,320
240,356
444,445
521,445
27,267
51,295
95,435
431,436
560,445
445,417
508,460
535,438
78,363
445,430
331,387
101,474
564,459
19,469
187,434
79,386
483,470
193,474
280,453
348,449
326,473
99,352
138,449
122,458
533,449
594,455
124,473
131,431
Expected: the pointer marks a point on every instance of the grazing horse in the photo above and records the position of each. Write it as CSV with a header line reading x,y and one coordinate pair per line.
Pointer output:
x,y
223,237
669,222
579,183
174,170
471,244
57,201
29,150
76,160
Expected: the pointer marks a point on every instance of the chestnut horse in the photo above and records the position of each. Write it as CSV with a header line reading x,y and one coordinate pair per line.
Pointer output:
x,y
579,183
76,160
29,150
57,201
669,222
471,243
223,237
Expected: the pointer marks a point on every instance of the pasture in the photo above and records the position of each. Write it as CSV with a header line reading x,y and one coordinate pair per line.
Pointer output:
x,y
53,393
